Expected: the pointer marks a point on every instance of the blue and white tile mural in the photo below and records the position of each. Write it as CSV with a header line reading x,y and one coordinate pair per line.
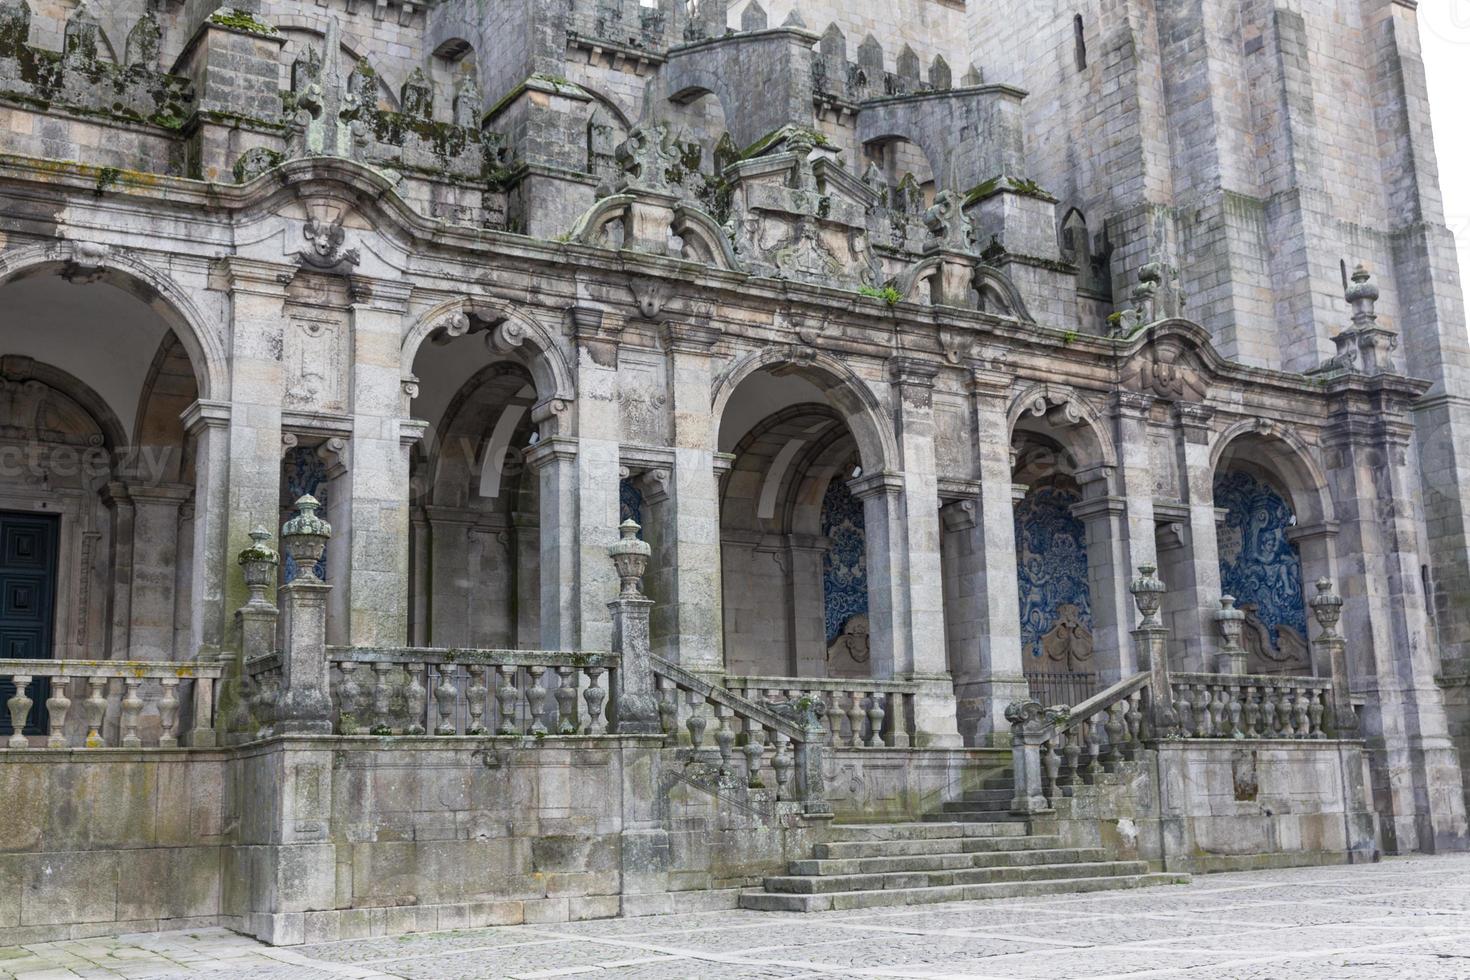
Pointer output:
x,y
1258,565
305,472
1051,565
845,565
630,503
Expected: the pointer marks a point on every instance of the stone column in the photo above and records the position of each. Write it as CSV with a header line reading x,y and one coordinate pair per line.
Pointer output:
x,y
692,531
257,624
1316,544
119,504
991,674
553,460
1416,771
1198,570
923,578
634,701
306,703
207,424
377,480
808,625
1104,518
1329,649
253,458
598,463
881,495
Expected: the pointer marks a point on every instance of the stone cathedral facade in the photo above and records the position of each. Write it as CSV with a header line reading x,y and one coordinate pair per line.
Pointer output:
x,y
942,361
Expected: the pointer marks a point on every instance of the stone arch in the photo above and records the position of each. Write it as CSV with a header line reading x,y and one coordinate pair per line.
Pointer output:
x,y
849,394
1285,454
997,294
113,434
89,262
1058,412
511,334
349,44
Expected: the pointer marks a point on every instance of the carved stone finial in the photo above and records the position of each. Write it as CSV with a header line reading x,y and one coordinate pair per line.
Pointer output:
x,y
1326,608
1230,622
630,557
644,158
1361,296
950,229
259,563
1148,595
305,537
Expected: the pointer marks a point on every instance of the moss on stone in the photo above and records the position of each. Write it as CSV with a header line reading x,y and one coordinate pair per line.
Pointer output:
x,y
239,20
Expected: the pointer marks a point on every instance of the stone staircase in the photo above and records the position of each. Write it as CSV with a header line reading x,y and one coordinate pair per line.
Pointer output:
x,y
974,848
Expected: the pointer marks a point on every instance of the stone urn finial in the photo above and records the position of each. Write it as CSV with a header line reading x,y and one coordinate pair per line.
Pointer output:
x,y
1326,607
1230,622
259,563
1148,595
305,537
630,557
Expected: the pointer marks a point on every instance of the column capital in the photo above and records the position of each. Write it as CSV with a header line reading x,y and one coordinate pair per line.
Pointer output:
x,y
991,379
202,414
242,275
1309,532
684,337
1099,507
1193,417
410,431
553,449
912,371
873,484
1132,404
959,515
380,295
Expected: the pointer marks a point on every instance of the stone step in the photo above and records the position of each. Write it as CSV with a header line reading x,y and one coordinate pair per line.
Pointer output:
x,y
910,831
972,807
999,795
817,884
786,902
975,813
1013,857
844,850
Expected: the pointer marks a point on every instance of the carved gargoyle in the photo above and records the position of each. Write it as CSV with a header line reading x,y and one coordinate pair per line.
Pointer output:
x,y
324,252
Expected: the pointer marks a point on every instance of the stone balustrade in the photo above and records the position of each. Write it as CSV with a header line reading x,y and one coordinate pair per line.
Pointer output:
x,y
861,712
112,698
792,729
423,690
1245,706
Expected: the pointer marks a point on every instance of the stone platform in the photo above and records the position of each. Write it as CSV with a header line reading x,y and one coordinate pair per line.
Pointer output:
x,y
1402,917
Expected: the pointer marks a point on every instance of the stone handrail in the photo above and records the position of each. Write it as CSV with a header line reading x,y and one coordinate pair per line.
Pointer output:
x,y
1054,747
794,727
1253,706
417,690
857,708
109,682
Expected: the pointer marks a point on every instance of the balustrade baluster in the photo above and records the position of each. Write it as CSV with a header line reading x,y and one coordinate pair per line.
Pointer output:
x,y
1269,725
168,713
594,697
1070,751
875,719
1184,710
1252,708
20,707
1134,721
1315,710
755,747
566,701
1052,764
349,698
668,708
1087,744
132,712
475,697
416,696
94,708
781,762
1220,711
508,698
56,706
724,737
1233,705
1113,727
695,722
446,694
382,699
1301,714
1203,728
855,718
536,698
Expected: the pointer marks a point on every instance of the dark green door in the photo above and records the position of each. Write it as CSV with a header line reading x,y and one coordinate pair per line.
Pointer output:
x,y
27,605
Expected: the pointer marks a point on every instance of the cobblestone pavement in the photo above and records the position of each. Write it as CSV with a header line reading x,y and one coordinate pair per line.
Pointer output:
x,y
1406,918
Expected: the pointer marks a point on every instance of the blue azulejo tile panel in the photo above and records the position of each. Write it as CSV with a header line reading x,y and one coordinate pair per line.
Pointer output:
x,y
1258,565
630,503
1051,564
845,565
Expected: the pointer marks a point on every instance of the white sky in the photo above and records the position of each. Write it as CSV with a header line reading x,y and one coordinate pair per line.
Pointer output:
x,y
1444,27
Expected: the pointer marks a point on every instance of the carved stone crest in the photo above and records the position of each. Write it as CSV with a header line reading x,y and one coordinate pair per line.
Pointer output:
x,y
324,252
